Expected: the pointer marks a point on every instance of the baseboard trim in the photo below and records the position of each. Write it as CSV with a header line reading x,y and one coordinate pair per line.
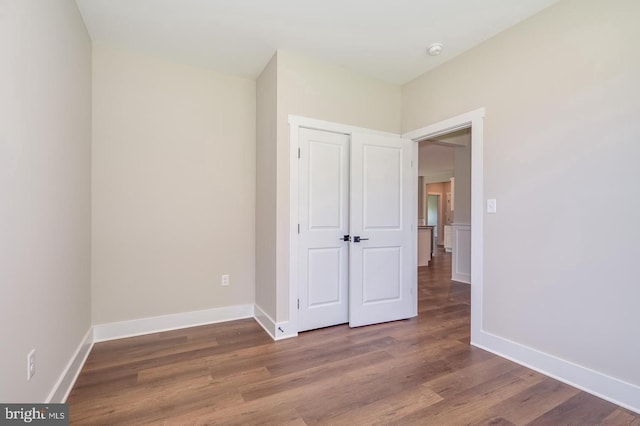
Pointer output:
x,y
461,278
265,321
283,332
137,327
601,385
70,374
277,331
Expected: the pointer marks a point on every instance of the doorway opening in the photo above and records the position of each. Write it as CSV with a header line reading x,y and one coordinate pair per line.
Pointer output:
x,y
473,231
445,179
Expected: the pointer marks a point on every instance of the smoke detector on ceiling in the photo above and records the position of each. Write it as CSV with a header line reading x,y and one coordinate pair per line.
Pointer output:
x,y
435,49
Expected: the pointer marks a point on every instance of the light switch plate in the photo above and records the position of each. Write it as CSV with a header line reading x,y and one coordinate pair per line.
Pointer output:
x,y
492,206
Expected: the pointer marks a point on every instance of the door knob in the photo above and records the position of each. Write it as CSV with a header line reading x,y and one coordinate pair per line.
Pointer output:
x,y
357,239
345,238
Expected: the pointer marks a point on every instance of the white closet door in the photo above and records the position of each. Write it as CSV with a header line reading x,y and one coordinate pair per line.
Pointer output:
x,y
381,282
323,270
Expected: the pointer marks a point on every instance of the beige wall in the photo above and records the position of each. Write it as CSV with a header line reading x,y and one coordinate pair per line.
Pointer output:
x,y
173,187
562,98
266,166
45,182
326,92
462,184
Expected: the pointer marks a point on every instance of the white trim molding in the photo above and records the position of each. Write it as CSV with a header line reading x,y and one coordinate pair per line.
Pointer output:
x,y
461,256
265,321
601,385
68,378
284,330
294,129
277,331
459,122
137,327
296,121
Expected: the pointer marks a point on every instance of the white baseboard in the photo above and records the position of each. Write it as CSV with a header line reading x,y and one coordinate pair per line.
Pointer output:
x,y
265,321
277,331
461,278
67,379
283,332
601,385
137,327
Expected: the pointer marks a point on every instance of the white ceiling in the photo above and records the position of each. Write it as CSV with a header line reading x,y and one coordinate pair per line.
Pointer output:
x,y
386,39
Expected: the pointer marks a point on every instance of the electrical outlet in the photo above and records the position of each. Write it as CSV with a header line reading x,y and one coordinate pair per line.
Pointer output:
x,y
31,364
224,281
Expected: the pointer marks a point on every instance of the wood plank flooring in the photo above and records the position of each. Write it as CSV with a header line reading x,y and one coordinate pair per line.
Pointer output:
x,y
420,371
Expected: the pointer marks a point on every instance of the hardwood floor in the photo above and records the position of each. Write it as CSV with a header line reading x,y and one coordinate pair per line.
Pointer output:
x,y
420,371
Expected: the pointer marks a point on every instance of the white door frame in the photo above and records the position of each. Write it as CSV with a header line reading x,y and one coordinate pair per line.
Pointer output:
x,y
295,123
475,120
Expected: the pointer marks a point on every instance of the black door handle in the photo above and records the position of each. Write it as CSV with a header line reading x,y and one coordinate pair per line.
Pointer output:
x,y
345,238
357,239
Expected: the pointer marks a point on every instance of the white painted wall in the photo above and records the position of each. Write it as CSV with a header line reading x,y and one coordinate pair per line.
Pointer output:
x,y
562,97
173,187
45,187
325,92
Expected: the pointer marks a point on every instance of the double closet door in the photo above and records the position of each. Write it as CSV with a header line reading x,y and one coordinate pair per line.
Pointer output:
x,y
356,239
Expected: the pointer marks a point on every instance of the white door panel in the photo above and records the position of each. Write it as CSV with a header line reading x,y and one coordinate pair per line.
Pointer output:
x,y
325,184
324,220
381,285
381,274
324,276
381,187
